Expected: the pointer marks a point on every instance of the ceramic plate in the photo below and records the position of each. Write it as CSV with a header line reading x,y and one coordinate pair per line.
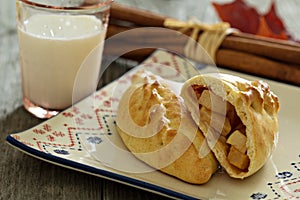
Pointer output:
x,y
84,138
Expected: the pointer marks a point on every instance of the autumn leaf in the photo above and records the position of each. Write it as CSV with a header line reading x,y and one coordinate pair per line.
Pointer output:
x,y
248,20
239,15
275,24
265,30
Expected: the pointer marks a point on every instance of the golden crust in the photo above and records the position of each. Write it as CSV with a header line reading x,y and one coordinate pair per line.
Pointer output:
x,y
255,105
164,135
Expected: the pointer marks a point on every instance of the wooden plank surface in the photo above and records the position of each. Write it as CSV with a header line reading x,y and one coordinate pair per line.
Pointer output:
x,y
24,177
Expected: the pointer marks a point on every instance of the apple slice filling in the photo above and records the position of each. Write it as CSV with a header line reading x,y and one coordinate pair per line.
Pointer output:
x,y
233,135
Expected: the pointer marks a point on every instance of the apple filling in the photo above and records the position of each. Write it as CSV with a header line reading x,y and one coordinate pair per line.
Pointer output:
x,y
233,133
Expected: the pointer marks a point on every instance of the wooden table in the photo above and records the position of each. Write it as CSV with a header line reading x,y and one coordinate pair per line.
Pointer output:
x,y
25,177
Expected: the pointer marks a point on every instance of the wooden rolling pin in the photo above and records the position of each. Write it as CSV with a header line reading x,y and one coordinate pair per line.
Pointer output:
x,y
270,58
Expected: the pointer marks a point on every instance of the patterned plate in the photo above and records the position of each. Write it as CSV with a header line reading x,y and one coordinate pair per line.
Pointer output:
x,y
84,138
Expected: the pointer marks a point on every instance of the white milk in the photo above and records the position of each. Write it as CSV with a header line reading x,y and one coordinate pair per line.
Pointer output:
x,y
52,49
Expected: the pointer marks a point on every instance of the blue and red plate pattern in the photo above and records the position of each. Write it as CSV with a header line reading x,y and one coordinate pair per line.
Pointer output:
x,y
67,139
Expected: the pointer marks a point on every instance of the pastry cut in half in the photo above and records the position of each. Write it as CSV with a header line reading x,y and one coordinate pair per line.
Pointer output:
x,y
239,119
156,127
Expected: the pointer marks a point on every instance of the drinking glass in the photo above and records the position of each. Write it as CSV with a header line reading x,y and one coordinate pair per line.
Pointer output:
x,y
59,41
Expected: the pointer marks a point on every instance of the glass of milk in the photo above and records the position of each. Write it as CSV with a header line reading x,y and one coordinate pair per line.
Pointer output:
x,y
60,42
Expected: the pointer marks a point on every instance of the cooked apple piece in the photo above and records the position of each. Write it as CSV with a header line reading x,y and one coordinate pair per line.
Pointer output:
x,y
232,116
209,99
238,140
214,135
241,127
205,116
205,100
238,159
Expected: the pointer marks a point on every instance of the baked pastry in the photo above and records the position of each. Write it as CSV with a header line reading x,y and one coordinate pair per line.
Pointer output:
x,y
156,127
239,119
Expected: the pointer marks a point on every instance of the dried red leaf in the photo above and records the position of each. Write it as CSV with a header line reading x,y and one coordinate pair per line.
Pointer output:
x,y
239,15
275,24
248,20
264,30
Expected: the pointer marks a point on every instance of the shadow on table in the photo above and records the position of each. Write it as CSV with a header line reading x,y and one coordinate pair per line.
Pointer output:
x,y
17,121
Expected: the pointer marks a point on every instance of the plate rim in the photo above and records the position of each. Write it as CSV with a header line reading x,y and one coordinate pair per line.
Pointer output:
x,y
101,173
